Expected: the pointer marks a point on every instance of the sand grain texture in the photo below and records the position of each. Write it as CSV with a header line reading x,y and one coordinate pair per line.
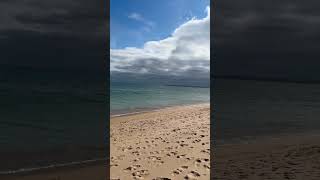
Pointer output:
x,y
172,143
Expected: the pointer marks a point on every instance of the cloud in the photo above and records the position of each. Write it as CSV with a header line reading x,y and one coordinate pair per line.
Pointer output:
x,y
185,53
138,17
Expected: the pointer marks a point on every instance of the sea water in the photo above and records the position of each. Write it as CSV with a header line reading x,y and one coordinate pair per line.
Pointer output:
x,y
126,97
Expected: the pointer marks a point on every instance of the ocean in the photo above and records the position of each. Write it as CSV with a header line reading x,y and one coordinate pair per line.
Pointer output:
x,y
136,97
51,122
46,122
248,109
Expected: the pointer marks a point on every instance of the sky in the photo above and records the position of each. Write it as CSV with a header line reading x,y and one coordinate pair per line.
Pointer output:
x,y
273,39
267,39
160,39
133,23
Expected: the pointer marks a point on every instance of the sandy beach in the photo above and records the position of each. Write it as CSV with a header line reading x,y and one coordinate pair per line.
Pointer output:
x,y
171,143
277,158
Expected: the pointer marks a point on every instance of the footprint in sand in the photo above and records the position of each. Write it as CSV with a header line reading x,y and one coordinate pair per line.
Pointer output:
x,y
156,159
207,151
140,174
154,152
184,167
113,165
137,153
161,178
183,144
132,168
205,143
192,175
179,170
203,162
181,156
196,141
137,159
172,153
206,167
176,172
189,158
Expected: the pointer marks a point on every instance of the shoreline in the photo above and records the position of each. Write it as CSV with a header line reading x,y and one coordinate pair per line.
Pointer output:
x,y
172,143
87,162
162,139
120,113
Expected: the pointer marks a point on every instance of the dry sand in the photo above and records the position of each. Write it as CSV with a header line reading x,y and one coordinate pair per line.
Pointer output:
x,y
283,157
172,143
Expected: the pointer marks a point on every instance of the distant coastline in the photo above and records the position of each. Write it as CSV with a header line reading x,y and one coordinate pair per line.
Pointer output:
x,y
178,85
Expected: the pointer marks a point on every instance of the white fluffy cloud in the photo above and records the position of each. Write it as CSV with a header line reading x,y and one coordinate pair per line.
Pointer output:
x,y
186,50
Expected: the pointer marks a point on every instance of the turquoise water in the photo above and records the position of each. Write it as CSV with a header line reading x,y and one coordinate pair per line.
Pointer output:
x,y
135,97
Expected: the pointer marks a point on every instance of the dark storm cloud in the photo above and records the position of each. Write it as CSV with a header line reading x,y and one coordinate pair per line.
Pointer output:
x,y
53,33
276,39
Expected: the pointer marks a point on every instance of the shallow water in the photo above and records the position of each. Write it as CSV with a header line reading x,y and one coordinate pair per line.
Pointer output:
x,y
138,97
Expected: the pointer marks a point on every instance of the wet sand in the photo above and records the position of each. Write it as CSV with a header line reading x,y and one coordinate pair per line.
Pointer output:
x,y
172,143
284,157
